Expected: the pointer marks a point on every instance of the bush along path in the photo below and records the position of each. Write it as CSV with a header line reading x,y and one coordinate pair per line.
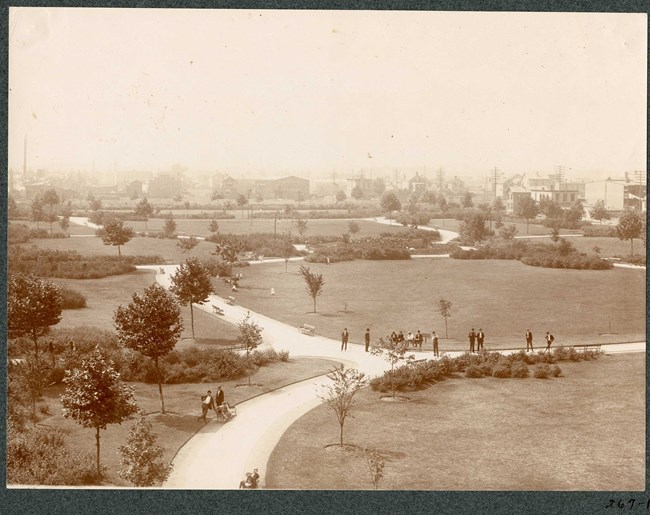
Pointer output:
x,y
218,457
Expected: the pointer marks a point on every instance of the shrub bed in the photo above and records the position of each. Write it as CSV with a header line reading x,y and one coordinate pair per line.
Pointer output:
x,y
72,299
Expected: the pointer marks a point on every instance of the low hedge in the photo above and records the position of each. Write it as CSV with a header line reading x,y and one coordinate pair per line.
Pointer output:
x,y
72,299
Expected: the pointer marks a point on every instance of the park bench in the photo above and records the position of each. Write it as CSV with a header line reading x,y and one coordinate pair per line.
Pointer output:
x,y
588,346
308,329
230,300
217,310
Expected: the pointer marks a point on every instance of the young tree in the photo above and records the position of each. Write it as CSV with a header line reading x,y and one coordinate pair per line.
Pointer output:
x,y
96,397
66,213
393,352
213,227
555,233
300,197
142,462
549,208
313,283
353,227
191,284
574,214
497,205
170,227
472,228
630,225
241,202
389,202
444,309
339,394
37,210
33,305
94,204
508,232
145,210
301,225
444,207
187,244
527,208
599,211
375,463
50,198
340,196
30,376
151,325
430,198
117,234
249,337
467,200
227,251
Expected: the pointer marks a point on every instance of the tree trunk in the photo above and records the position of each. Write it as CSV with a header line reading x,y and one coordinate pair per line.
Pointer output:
x,y
314,304
35,338
119,255
192,317
631,246
341,436
527,225
392,385
446,332
162,400
99,470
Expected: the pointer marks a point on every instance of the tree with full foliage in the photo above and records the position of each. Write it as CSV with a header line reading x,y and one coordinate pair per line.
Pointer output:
x,y
340,196
151,324
555,233
357,193
444,207
444,309
353,227
497,204
467,201
66,213
50,198
30,376
472,228
599,211
33,306
117,234
574,214
630,225
393,352
228,251
37,210
145,210
241,202
213,227
191,284
429,197
508,232
389,202
249,337
313,283
169,229
527,208
94,204
187,244
142,458
339,393
95,396
549,208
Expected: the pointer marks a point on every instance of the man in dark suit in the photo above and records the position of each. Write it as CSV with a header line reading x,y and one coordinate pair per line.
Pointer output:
x,y
549,340
344,339
472,339
529,341
367,338
480,336
219,397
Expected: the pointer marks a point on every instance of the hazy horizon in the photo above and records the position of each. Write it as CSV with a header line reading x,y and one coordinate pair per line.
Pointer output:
x,y
323,92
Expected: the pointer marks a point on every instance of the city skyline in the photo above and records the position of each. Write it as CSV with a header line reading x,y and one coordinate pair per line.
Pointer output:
x,y
327,91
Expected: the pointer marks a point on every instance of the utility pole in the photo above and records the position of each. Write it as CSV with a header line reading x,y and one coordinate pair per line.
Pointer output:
x,y
440,178
496,175
641,175
560,171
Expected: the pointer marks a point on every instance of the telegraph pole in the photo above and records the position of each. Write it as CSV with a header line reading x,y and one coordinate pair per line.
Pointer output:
x,y
440,177
495,175
560,171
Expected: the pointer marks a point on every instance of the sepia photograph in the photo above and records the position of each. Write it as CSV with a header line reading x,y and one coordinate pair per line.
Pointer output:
x,y
326,250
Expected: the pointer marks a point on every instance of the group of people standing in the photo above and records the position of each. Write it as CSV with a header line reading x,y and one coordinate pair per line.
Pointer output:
x,y
216,403
477,338
549,339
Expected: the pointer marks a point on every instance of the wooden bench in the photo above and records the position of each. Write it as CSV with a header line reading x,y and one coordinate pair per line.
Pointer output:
x,y
588,346
308,329
217,310
230,301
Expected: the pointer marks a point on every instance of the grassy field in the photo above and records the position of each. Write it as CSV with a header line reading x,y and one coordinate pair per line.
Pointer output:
x,y
504,298
104,295
582,431
183,404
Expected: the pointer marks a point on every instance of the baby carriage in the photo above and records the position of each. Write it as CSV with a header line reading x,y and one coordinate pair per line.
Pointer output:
x,y
225,412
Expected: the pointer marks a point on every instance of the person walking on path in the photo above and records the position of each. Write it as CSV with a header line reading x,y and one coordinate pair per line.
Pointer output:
x,y
472,339
529,341
219,397
207,402
434,337
344,339
367,338
480,336
549,340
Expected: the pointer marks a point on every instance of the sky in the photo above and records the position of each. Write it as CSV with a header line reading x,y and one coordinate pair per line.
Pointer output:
x,y
327,91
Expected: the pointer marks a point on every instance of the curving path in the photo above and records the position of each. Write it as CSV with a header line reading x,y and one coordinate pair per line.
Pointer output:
x,y
218,456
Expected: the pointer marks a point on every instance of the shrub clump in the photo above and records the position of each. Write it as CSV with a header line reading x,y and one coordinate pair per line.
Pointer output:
x,y
542,371
519,369
556,371
72,299
473,371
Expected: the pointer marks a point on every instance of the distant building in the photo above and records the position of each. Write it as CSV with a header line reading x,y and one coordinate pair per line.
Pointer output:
x,y
134,188
617,194
291,187
514,196
165,186
418,183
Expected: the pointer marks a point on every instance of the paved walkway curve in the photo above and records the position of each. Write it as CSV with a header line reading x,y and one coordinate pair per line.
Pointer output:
x,y
218,456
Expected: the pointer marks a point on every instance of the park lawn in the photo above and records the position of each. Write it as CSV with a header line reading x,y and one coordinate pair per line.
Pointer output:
x,y
183,405
104,295
584,430
504,298
608,246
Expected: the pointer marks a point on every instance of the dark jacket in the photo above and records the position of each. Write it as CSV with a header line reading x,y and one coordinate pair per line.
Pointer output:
x,y
219,397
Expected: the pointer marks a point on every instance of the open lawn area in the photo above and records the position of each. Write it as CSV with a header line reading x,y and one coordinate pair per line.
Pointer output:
x,y
504,298
584,430
183,404
104,295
